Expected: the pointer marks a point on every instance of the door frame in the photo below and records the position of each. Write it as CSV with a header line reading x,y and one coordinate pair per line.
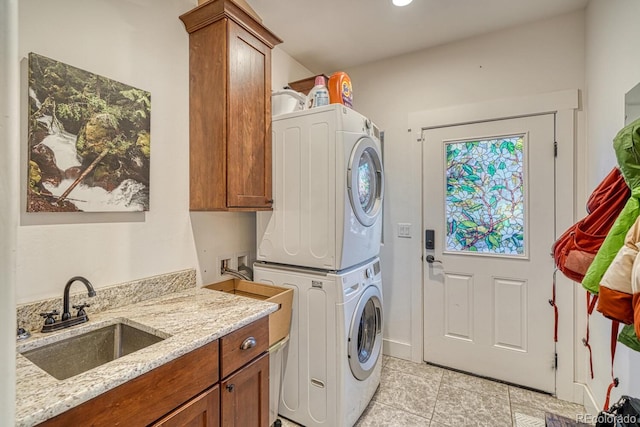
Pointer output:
x,y
564,104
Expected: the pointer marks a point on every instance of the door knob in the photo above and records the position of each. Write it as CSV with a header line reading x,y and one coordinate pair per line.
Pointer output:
x,y
431,259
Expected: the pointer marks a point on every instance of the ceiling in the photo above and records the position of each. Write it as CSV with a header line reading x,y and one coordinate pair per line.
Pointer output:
x,y
331,35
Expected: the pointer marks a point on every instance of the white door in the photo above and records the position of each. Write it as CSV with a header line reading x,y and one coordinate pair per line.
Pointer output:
x,y
488,196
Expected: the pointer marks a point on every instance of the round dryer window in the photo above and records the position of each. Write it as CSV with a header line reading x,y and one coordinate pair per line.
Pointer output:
x,y
365,334
365,181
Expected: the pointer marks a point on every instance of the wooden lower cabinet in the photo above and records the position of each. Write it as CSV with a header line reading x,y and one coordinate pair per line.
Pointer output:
x,y
201,411
188,391
245,395
150,396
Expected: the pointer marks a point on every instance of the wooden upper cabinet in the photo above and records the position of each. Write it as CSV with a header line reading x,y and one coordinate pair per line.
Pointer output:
x,y
229,108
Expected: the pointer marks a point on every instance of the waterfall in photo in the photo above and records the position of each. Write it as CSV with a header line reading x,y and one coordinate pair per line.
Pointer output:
x,y
96,199
130,195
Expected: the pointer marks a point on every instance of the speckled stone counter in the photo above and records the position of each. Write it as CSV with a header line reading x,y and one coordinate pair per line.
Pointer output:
x,y
189,319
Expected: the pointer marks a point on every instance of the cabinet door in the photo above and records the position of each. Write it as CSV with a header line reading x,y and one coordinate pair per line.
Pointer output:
x,y
248,120
245,396
201,411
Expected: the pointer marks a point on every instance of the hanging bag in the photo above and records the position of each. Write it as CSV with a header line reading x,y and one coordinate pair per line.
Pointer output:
x,y
625,413
574,251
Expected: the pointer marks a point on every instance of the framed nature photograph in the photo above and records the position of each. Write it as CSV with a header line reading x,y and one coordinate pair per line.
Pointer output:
x,y
89,141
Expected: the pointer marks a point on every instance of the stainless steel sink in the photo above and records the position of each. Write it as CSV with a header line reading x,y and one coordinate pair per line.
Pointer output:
x,y
80,353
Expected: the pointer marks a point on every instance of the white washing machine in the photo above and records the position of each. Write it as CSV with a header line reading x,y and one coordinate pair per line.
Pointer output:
x,y
328,187
333,361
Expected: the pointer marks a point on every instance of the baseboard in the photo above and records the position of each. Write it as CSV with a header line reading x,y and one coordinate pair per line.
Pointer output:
x,y
401,350
588,400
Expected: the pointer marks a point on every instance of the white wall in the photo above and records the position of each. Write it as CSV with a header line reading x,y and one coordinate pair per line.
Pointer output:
x,y
285,69
9,119
612,68
541,57
144,44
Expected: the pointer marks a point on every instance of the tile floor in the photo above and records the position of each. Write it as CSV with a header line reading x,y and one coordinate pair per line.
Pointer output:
x,y
414,394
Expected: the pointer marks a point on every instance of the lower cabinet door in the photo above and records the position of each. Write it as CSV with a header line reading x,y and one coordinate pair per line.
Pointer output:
x,y
245,395
201,411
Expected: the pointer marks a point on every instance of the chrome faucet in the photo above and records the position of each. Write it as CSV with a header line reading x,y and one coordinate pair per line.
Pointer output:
x,y
65,302
51,324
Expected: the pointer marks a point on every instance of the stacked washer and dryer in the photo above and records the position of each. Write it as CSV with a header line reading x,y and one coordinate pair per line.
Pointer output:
x,y
322,239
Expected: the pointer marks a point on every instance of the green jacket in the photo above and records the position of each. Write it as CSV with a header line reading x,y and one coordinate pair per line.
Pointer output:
x,y
626,145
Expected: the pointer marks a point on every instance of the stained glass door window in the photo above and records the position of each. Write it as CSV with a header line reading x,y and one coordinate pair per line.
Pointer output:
x,y
485,196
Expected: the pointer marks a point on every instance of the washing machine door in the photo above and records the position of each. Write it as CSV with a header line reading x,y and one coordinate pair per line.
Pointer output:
x,y
365,181
365,334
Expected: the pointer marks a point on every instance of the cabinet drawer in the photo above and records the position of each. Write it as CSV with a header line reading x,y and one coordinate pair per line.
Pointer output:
x,y
240,347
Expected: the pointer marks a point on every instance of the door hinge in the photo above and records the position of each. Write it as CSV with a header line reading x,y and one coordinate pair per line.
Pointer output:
x,y
555,148
555,361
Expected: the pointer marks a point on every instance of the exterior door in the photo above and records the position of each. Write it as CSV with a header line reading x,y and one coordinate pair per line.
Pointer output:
x,y
488,207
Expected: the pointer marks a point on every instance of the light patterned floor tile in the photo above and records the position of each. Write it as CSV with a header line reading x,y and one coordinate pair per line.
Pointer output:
x,y
544,402
459,407
385,359
407,392
410,394
471,383
381,415
420,369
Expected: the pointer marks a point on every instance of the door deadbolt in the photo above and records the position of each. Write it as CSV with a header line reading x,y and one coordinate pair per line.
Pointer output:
x,y
429,239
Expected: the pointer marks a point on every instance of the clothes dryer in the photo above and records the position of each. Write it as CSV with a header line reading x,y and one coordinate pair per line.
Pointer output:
x,y
333,362
328,188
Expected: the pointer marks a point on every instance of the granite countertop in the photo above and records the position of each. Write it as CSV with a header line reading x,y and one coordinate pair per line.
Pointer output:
x,y
189,319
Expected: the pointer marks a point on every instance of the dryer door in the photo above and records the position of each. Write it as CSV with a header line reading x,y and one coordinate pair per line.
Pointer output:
x,y
365,334
365,181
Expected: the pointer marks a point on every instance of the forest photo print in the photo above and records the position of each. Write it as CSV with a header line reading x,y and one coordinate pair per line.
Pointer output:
x,y
89,141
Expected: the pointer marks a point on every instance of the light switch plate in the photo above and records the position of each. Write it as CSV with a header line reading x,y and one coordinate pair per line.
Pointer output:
x,y
404,229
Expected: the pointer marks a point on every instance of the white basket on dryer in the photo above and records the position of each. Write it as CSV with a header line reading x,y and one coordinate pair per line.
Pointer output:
x,y
287,101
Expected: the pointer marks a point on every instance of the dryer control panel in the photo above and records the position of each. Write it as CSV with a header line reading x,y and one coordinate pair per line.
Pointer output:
x,y
371,129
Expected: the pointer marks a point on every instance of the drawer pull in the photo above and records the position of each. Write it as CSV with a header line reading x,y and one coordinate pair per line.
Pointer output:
x,y
248,343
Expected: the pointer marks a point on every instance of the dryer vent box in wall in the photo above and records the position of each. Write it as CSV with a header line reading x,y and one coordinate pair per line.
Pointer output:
x,y
280,320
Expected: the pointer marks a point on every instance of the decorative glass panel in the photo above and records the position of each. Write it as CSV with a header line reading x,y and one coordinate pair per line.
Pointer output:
x,y
484,203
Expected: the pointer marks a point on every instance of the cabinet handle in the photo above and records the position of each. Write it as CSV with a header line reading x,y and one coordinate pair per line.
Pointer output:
x,y
230,387
248,343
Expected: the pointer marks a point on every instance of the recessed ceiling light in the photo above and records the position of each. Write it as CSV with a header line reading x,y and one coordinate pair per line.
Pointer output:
x,y
401,2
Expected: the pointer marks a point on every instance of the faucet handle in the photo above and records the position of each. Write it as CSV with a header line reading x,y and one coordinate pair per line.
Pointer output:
x,y
49,316
80,308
